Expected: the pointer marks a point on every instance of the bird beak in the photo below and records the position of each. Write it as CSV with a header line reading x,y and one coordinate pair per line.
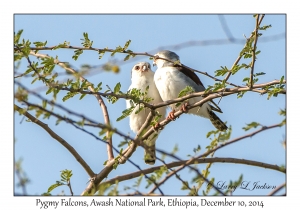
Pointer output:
x,y
154,64
144,68
154,60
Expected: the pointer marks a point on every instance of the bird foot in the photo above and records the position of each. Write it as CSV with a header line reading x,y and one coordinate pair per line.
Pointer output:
x,y
171,116
183,107
157,127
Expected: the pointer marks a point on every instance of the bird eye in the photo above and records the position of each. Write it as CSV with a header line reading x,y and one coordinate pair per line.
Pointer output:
x,y
137,68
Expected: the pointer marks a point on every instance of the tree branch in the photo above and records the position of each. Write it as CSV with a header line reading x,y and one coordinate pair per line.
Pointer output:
x,y
240,56
98,97
213,150
120,159
196,161
58,138
254,50
192,95
263,128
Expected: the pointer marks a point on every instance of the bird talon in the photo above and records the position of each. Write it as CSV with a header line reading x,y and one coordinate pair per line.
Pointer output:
x,y
184,106
171,116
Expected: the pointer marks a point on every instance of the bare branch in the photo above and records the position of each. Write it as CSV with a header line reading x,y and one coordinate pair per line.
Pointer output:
x,y
59,139
225,28
70,187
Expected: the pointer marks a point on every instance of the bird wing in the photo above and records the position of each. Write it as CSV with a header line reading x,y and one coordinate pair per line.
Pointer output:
x,y
215,107
189,73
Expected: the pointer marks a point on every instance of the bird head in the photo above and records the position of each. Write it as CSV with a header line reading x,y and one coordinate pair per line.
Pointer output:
x,y
166,54
141,69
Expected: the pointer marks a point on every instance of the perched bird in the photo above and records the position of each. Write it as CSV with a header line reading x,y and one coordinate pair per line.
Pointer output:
x,y
170,79
141,78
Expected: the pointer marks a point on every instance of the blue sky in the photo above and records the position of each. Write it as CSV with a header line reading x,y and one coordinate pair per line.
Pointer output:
x,y
44,158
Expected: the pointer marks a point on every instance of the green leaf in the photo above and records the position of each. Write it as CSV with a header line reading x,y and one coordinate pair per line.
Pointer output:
x,y
66,175
103,131
77,53
35,79
222,71
187,90
185,186
81,97
86,41
197,149
251,125
246,79
126,113
102,52
68,96
17,36
126,45
122,143
241,94
140,108
265,27
138,181
58,121
46,194
44,104
115,165
282,112
117,88
65,44
259,74
40,44
212,132
127,57
52,187
281,80
175,149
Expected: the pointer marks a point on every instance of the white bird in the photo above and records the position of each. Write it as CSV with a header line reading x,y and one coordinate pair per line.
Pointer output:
x,y
170,79
141,78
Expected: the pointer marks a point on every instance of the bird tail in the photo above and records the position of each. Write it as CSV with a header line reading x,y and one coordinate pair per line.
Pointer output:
x,y
216,121
150,154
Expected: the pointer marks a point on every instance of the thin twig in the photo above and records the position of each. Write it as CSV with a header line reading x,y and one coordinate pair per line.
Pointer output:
x,y
70,187
263,128
240,56
253,51
226,28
